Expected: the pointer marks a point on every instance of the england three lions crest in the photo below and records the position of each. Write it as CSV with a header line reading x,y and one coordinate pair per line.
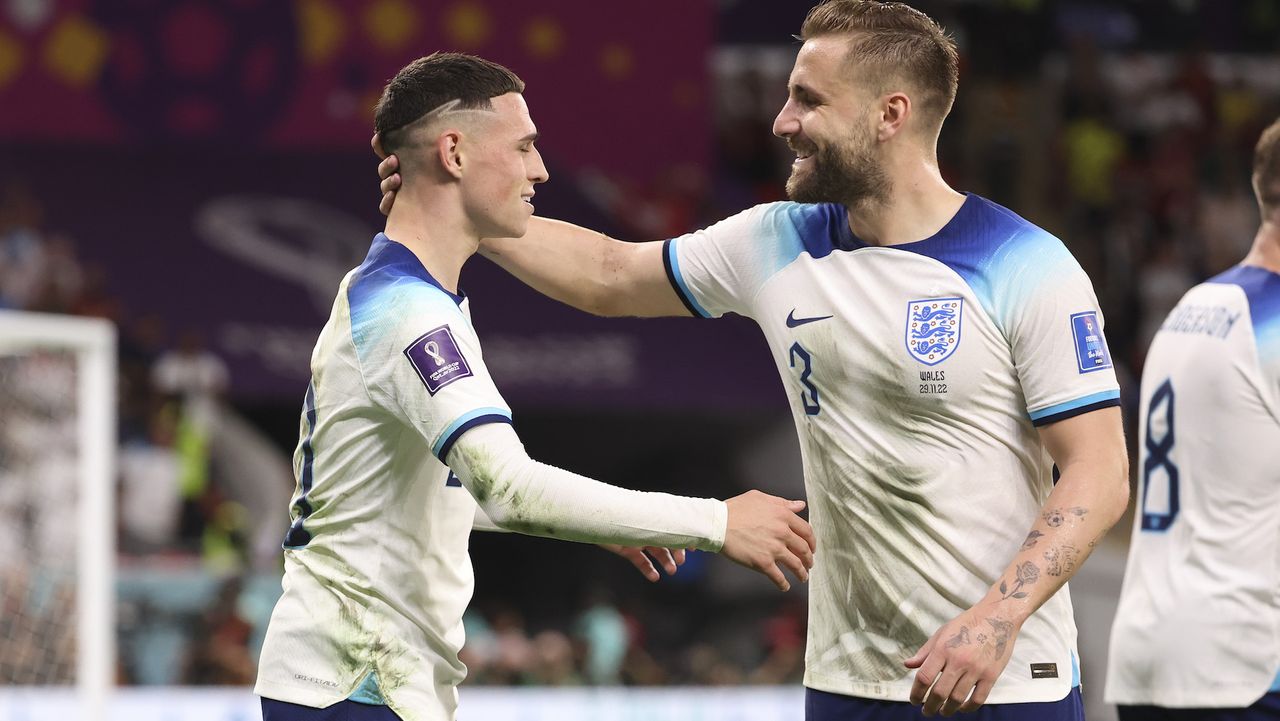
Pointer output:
x,y
933,328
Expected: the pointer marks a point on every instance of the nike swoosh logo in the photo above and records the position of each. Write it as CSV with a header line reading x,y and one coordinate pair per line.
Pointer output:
x,y
794,322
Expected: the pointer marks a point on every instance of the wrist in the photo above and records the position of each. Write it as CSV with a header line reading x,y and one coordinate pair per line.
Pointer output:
x,y
1003,605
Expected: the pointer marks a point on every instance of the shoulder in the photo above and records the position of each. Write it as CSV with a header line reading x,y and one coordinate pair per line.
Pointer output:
x,y
997,242
391,295
1261,289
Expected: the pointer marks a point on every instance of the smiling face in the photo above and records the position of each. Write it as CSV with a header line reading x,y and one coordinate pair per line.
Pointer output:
x,y
500,167
827,121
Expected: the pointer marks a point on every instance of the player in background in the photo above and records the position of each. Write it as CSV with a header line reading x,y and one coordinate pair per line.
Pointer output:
x,y
406,443
1197,632
945,364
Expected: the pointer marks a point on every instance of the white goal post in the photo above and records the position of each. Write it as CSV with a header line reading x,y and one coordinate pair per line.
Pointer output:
x,y
91,344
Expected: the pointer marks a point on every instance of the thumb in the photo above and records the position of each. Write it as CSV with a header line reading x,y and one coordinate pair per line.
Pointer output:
x,y
917,660
795,505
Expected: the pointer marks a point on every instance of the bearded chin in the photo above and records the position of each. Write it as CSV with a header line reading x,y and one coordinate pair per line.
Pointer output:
x,y
838,178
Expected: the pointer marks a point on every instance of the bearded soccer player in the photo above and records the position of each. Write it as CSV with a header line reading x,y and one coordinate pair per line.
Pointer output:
x,y
1195,636
406,443
945,363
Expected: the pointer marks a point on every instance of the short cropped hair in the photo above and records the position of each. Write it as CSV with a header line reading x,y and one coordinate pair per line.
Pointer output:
x,y
428,83
1266,169
890,39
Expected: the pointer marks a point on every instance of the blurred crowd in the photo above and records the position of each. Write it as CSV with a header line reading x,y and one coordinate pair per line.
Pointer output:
x,y
633,645
1139,158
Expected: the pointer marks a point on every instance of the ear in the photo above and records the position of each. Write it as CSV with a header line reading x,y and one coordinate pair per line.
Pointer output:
x,y
449,151
895,109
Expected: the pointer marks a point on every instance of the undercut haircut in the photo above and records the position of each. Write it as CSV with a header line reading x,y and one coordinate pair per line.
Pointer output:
x,y
893,40
428,83
1266,170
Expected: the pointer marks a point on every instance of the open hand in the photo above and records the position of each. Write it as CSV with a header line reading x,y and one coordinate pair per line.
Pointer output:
x,y
960,663
766,535
643,558
389,173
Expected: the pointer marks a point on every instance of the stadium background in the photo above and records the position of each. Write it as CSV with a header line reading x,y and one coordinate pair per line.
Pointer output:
x,y
199,173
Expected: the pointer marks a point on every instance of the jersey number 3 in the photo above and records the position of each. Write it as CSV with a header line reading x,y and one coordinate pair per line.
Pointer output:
x,y
809,394
1158,438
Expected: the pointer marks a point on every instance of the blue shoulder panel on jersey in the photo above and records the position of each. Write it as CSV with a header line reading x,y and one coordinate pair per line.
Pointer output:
x,y
817,229
480,416
1075,407
985,242
786,230
389,267
1262,288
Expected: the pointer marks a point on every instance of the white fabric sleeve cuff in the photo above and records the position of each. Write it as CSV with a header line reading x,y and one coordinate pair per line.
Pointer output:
x,y
520,494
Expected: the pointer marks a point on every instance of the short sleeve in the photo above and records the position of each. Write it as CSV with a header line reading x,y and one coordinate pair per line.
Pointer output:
x,y
1050,315
421,362
720,269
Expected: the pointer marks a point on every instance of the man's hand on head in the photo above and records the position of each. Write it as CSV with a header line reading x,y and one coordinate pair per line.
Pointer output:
x,y
388,171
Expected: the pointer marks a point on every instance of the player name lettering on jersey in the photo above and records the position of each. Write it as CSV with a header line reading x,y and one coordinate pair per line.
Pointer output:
x,y
1211,320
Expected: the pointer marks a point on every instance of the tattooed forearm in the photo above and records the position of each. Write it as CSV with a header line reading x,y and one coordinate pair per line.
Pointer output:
x,y
1026,574
1032,538
1055,517
1061,560
960,639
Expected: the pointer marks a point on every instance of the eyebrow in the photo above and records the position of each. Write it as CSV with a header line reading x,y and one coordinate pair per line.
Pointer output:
x,y
530,138
803,91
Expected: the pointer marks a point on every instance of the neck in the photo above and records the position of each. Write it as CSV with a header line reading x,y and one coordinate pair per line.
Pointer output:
x,y
433,226
918,204
1265,252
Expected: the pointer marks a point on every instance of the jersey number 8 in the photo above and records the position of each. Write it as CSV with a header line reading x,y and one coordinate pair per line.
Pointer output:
x,y
1159,422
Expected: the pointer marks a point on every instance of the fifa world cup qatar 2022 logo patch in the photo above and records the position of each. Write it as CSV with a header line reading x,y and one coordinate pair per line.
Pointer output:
x,y
933,328
1091,346
437,359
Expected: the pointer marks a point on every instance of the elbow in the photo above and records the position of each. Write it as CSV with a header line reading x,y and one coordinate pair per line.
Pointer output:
x,y
1118,487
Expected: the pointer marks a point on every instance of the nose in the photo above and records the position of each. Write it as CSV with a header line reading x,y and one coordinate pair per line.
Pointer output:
x,y
538,169
787,123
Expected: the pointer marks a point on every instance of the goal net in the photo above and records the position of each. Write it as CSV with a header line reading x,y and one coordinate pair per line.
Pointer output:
x,y
57,441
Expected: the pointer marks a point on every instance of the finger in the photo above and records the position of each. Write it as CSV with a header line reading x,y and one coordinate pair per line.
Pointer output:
x,y
796,506
641,562
978,697
929,668
804,530
796,566
940,692
376,142
959,694
664,559
800,547
917,660
678,555
770,569
384,206
389,166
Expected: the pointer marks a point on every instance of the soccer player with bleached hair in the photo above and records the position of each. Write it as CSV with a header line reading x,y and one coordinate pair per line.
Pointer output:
x,y
947,372
406,444
1197,633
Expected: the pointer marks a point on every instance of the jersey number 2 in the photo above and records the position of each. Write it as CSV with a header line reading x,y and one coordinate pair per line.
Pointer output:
x,y
809,395
1158,438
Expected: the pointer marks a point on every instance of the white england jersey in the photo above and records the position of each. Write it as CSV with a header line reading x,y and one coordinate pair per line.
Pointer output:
x,y
377,574
1199,617
917,375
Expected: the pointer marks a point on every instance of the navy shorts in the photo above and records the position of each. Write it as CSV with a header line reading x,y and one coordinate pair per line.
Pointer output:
x,y
1266,708
823,706
273,710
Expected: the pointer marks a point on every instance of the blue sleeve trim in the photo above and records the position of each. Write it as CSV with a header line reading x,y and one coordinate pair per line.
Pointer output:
x,y
672,265
1079,406
478,417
